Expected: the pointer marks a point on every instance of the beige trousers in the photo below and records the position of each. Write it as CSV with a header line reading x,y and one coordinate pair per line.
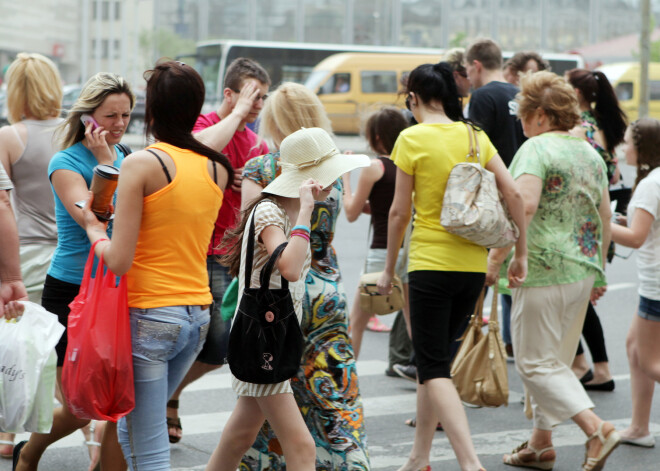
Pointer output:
x,y
546,324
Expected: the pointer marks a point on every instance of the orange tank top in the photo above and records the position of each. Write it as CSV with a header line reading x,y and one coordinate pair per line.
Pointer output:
x,y
169,267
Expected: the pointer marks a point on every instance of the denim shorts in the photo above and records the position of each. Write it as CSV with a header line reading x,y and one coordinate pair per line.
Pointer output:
x,y
649,309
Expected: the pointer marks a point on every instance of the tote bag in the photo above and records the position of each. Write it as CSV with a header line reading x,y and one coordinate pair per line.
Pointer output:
x,y
97,376
479,368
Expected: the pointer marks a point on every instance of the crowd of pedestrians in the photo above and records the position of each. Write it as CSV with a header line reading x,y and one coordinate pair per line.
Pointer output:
x,y
187,206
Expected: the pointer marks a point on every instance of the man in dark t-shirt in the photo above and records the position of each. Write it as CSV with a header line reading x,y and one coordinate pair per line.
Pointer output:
x,y
492,104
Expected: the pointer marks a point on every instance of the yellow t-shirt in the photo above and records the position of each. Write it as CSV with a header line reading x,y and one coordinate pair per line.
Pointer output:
x,y
428,152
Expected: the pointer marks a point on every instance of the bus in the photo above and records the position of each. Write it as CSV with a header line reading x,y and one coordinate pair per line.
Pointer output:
x,y
294,62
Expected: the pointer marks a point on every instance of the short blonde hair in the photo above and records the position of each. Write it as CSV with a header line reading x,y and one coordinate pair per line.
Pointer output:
x,y
552,94
93,94
291,107
34,87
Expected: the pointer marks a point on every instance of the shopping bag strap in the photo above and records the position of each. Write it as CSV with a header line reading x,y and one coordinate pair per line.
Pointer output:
x,y
87,273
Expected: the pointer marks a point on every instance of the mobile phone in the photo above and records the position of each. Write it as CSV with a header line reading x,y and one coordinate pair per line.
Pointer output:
x,y
85,118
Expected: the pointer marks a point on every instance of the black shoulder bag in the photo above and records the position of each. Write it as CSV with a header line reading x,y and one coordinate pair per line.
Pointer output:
x,y
265,342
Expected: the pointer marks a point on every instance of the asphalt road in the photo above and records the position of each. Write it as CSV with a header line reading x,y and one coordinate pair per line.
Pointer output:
x,y
206,405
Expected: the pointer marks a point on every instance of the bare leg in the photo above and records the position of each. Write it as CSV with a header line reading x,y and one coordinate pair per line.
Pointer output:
x,y
196,371
445,406
589,422
580,365
298,446
358,324
602,372
6,448
642,384
112,458
237,436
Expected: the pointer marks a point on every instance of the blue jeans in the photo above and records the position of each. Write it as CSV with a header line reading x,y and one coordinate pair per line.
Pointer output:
x,y
215,348
165,341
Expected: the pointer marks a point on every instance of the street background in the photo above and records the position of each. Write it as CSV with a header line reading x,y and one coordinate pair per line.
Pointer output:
x,y
207,404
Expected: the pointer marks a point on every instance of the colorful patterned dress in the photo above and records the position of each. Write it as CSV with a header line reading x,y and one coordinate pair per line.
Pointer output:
x,y
326,386
590,126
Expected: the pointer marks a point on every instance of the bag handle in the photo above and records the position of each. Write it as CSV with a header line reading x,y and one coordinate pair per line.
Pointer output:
x,y
249,256
267,270
478,316
87,274
474,151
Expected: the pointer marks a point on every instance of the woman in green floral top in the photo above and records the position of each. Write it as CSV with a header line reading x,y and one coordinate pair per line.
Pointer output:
x,y
603,125
564,185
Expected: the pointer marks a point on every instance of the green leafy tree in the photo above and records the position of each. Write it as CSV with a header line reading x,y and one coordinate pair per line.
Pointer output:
x,y
164,43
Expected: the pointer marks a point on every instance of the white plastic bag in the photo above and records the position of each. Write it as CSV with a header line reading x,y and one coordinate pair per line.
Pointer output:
x,y
27,370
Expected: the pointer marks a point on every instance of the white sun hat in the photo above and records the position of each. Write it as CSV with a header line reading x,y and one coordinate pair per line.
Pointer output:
x,y
311,153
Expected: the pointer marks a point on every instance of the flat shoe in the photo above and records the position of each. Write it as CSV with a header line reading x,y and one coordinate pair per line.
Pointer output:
x,y
646,442
588,376
606,386
531,460
609,444
17,454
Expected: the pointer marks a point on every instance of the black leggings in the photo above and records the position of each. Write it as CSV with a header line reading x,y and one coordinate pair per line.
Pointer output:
x,y
592,331
440,304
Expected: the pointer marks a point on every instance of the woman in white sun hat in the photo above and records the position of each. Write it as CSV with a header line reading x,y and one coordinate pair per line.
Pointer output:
x,y
310,164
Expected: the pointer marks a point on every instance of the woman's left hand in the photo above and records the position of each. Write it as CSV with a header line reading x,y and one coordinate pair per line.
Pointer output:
x,y
385,283
517,272
90,221
597,293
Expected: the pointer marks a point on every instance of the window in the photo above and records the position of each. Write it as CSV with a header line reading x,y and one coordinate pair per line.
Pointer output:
x,y
105,10
338,83
624,91
116,48
379,81
117,10
654,86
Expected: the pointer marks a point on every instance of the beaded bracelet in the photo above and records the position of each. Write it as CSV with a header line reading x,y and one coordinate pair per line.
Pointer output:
x,y
302,228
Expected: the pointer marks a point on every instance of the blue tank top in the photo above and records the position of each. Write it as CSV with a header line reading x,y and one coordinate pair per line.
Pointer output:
x,y
68,263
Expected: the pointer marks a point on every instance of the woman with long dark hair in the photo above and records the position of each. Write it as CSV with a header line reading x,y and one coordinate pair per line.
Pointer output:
x,y
446,272
603,124
168,197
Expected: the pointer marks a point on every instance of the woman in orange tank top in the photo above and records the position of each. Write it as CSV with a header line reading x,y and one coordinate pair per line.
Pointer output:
x,y
168,197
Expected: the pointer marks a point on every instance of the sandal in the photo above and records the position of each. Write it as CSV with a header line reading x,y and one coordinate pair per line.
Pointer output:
x,y
93,435
609,444
413,423
173,423
529,460
375,325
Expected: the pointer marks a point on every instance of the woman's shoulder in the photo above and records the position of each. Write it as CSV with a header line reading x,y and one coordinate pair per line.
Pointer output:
x,y
262,169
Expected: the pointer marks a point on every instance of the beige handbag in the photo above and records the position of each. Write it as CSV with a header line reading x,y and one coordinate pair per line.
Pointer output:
x,y
479,369
374,302
472,206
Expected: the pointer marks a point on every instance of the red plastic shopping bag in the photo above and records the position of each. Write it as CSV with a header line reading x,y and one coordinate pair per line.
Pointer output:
x,y
97,375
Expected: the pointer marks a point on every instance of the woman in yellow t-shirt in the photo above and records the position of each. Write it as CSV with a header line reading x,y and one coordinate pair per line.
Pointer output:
x,y
446,272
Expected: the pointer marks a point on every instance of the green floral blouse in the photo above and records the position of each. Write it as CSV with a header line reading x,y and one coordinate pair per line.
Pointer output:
x,y
565,235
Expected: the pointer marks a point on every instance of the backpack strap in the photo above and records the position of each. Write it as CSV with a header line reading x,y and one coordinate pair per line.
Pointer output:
x,y
126,150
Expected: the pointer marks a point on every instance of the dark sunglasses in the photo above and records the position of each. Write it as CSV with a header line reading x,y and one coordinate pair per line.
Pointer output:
x,y
408,102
